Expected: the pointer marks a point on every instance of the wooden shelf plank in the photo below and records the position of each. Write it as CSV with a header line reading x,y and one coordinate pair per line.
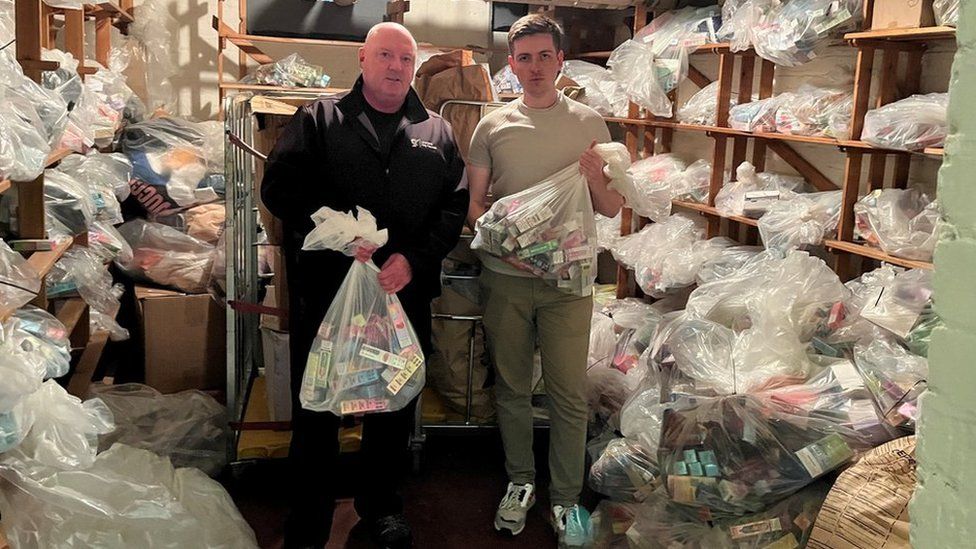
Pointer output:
x,y
81,379
263,87
712,211
875,253
42,262
57,156
4,185
904,35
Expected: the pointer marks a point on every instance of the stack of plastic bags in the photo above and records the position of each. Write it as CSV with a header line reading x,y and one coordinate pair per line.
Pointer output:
x,y
794,32
655,61
802,221
652,253
911,124
752,194
809,111
701,108
603,92
166,256
366,357
291,72
901,222
547,230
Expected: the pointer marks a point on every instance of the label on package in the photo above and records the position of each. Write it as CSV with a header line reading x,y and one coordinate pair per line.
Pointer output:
x,y
824,455
358,379
527,238
363,405
319,362
533,219
847,376
740,531
537,249
404,375
578,254
399,320
383,357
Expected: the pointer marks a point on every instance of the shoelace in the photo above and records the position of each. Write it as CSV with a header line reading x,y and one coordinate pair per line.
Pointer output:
x,y
513,499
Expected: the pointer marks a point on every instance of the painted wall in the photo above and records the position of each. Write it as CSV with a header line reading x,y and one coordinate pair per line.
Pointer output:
x,y
944,507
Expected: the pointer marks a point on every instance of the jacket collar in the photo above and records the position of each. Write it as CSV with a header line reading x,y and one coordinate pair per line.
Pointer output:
x,y
354,103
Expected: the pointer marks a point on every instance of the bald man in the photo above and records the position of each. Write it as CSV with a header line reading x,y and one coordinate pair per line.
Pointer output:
x,y
375,147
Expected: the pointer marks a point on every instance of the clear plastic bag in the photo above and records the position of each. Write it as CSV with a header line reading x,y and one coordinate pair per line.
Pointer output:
x,y
607,231
107,177
100,322
291,72
127,498
548,230
366,357
804,220
903,223
731,198
946,12
895,378
40,337
49,106
728,261
737,455
911,124
65,80
652,176
189,427
205,222
740,20
19,282
759,115
69,201
647,251
150,43
81,270
166,256
610,522
692,184
505,81
633,65
815,112
896,304
107,243
24,144
680,268
14,425
112,94
625,471
795,31
603,92
701,108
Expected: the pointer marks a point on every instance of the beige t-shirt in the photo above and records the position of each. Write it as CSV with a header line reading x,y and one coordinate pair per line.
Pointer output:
x,y
523,146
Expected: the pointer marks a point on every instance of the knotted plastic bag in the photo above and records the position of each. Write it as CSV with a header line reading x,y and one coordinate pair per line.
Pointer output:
x,y
366,357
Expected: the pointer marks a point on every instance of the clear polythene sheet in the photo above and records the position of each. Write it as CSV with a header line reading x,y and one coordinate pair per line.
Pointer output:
x,y
366,356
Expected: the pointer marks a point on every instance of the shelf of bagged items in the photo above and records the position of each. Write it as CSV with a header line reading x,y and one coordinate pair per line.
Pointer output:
x,y
711,210
904,35
874,253
57,155
769,136
267,88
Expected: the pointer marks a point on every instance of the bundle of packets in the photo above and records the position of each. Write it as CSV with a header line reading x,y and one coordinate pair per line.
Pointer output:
x,y
737,455
548,229
292,72
366,357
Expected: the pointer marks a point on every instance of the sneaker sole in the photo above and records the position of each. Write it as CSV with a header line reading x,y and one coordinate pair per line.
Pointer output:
x,y
502,527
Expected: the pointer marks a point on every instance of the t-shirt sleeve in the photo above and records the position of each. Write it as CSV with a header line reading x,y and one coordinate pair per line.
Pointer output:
x,y
479,153
600,131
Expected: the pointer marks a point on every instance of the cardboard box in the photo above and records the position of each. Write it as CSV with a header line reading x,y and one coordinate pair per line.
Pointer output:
x,y
277,373
902,14
185,340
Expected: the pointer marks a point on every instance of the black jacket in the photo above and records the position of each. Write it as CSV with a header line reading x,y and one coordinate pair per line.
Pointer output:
x,y
328,155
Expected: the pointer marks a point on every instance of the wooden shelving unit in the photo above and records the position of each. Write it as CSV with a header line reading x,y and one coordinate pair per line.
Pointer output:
x,y
900,53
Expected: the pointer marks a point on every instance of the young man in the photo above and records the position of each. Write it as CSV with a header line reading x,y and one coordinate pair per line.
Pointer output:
x,y
377,148
512,149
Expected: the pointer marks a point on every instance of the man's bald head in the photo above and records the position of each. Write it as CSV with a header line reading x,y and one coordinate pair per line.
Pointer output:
x,y
392,30
387,60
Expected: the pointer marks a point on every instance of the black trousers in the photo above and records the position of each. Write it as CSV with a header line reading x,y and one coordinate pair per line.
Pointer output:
x,y
314,452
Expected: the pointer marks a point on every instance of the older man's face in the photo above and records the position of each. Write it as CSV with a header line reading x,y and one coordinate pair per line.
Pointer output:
x,y
387,61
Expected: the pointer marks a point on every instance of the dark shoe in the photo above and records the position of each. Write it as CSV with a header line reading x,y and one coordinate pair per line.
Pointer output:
x,y
391,532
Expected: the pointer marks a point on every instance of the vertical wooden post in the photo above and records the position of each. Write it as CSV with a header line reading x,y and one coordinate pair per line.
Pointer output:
x,y
74,37
103,39
766,72
725,66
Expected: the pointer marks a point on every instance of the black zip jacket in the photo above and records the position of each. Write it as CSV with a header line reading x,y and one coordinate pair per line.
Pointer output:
x,y
328,155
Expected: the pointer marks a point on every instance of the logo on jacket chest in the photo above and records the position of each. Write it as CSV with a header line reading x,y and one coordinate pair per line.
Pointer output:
x,y
420,143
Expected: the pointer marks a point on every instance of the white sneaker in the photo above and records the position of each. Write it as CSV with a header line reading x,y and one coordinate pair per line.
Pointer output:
x,y
571,524
519,498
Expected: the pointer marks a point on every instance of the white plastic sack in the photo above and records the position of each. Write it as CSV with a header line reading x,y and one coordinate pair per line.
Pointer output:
x,y
633,65
701,108
127,498
795,31
911,124
49,106
603,92
895,378
759,115
366,357
625,471
69,201
647,251
19,282
166,256
816,112
692,184
607,231
107,242
650,196
107,177
24,144
804,220
548,230
731,198
189,427
946,12
728,261
81,270
901,222
41,337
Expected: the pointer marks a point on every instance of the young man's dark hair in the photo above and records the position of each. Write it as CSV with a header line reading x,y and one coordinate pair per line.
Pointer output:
x,y
535,24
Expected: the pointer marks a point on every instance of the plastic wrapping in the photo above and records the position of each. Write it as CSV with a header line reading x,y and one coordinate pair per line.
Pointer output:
x,y
633,65
607,231
166,256
205,222
505,81
895,377
804,220
817,112
366,357
100,322
49,106
911,124
548,230
81,270
652,176
735,455
107,243
189,427
649,253
171,164
65,80
759,115
127,498
946,12
603,93
24,144
40,336
610,522
692,183
728,261
149,49
624,472
795,31
112,94
901,222
69,201
702,106
106,176
897,303
740,19
19,282
291,72
731,198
